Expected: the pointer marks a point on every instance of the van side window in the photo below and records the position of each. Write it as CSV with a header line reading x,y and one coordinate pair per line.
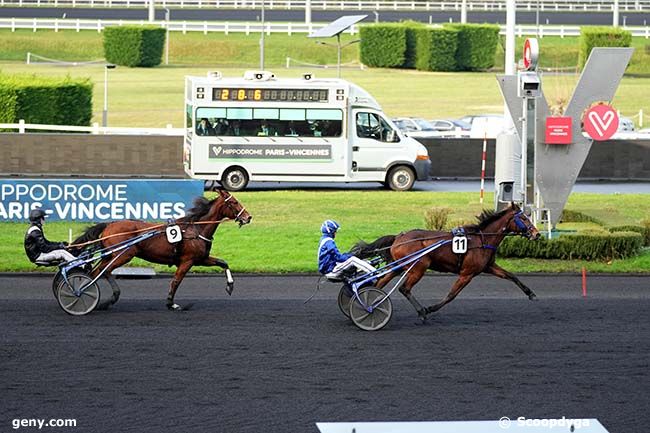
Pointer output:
x,y
262,122
370,125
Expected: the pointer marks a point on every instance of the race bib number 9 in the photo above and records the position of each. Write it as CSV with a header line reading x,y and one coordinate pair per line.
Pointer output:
x,y
459,245
174,234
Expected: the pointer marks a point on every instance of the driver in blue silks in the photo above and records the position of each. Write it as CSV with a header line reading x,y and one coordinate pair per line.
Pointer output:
x,y
331,262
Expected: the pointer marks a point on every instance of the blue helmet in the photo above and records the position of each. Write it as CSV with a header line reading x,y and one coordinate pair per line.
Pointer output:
x,y
329,227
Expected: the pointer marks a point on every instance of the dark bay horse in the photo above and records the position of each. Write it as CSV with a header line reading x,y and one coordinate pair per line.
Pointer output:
x,y
197,227
482,242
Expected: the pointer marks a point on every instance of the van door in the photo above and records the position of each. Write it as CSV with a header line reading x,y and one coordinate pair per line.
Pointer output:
x,y
375,144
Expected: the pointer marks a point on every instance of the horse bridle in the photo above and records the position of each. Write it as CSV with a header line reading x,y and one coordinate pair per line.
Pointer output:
x,y
521,225
239,214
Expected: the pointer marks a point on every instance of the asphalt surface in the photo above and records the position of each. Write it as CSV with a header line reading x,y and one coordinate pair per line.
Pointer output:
x,y
554,18
262,361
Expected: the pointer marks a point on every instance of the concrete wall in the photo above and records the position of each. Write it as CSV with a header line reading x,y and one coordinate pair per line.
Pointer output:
x,y
616,159
161,156
91,155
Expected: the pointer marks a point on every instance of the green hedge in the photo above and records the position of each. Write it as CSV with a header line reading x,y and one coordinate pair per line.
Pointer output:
x,y
436,49
588,245
643,230
477,44
134,45
591,37
50,101
410,55
574,216
383,45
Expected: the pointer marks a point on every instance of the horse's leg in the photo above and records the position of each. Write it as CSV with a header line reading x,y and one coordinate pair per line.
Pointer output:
x,y
412,278
498,271
215,261
385,280
456,288
173,286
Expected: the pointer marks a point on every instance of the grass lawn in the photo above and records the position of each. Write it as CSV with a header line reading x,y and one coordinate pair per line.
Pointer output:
x,y
159,91
285,230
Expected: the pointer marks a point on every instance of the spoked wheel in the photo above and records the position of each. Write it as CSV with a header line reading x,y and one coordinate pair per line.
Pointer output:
x,y
71,303
371,317
345,296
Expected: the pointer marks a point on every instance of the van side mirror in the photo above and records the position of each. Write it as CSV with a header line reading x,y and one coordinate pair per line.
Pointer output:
x,y
392,137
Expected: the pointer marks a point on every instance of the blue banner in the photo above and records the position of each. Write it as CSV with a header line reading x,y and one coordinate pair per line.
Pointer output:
x,y
97,200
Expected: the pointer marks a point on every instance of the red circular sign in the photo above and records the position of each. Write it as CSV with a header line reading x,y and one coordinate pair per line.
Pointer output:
x,y
601,122
531,54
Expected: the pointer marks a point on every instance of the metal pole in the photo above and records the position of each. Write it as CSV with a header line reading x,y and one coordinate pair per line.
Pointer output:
x,y
152,11
510,37
262,40
105,112
307,12
167,17
615,14
338,62
463,12
537,19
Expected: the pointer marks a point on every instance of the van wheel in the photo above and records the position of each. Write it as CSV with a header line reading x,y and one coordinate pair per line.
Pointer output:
x,y
400,178
235,179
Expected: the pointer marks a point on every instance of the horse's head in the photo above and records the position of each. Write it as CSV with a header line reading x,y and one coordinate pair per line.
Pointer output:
x,y
233,209
520,224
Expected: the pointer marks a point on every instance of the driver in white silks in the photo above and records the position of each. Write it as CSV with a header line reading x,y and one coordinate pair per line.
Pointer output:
x,y
331,262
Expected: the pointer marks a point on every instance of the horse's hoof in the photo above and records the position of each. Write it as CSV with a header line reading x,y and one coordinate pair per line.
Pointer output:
x,y
174,307
532,297
229,288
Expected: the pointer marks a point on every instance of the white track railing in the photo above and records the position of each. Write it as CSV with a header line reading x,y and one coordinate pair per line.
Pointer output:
x,y
395,5
206,27
21,127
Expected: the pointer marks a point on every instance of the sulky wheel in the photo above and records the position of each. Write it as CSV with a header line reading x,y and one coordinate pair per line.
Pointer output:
x,y
371,317
345,295
77,305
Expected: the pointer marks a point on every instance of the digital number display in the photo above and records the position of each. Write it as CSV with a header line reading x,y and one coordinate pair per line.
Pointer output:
x,y
270,95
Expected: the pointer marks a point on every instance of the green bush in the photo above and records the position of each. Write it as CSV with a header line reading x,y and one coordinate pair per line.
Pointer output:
x,y
410,55
383,45
643,230
477,44
436,49
134,45
591,37
586,245
574,216
50,101
436,218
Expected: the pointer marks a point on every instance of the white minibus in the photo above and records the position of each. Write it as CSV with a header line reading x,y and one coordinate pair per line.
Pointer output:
x,y
264,129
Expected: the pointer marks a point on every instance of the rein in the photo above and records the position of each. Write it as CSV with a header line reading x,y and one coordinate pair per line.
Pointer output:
x,y
152,228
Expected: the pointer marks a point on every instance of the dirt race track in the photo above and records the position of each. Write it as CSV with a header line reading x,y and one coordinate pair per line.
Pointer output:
x,y
262,361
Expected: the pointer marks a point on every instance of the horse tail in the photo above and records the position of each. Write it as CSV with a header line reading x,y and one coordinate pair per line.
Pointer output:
x,y
91,233
380,247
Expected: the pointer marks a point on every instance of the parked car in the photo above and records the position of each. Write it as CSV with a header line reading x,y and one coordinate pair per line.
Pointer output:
x,y
625,124
489,125
416,127
451,128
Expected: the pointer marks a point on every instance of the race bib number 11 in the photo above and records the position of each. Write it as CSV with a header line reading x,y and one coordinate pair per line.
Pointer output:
x,y
174,234
459,245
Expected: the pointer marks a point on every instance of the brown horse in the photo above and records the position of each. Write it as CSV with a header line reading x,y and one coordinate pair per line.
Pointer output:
x,y
482,242
197,227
